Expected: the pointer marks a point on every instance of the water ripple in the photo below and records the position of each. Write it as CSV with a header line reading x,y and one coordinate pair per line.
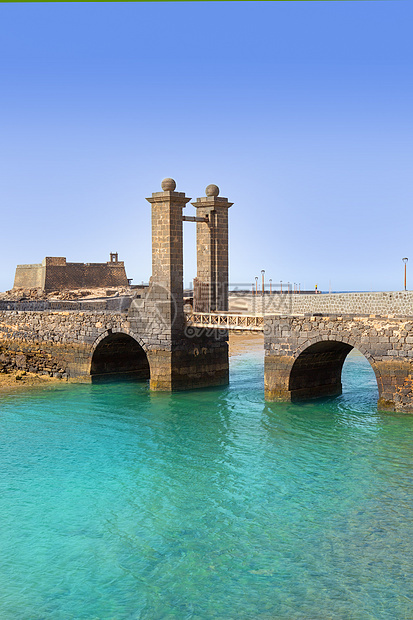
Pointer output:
x,y
212,504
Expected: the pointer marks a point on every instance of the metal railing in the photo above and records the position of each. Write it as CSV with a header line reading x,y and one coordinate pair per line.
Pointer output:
x,y
224,320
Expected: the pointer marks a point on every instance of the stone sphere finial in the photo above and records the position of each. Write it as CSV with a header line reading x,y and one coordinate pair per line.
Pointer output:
x,y
212,190
168,185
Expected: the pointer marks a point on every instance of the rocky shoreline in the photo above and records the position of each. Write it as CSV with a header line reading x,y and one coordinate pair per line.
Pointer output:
x,y
22,379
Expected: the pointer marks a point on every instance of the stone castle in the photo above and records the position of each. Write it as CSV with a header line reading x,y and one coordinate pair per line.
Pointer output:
x,y
54,273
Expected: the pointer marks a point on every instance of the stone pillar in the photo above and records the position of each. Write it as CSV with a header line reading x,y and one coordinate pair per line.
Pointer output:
x,y
180,358
211,283
166,283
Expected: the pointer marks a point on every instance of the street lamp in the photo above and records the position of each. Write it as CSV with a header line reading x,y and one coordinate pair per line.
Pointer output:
x,y
256,285
263,285
270,286
405,270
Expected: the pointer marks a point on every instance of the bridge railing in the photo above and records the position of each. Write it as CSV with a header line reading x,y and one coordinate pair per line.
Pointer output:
x,y
224,320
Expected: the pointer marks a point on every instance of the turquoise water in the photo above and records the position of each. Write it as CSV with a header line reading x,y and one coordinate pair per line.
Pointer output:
x,y
119,503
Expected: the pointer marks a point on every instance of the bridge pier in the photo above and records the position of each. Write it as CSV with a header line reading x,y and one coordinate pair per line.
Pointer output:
x,y
200,363
395,383
180,358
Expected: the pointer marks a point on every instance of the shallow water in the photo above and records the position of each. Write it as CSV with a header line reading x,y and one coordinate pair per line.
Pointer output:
x,y
120,503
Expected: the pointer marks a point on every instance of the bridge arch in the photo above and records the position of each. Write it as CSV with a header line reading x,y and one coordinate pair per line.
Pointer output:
x,y
317,367
119,353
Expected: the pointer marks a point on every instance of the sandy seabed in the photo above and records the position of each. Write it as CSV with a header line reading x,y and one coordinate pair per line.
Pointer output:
x,y
243,342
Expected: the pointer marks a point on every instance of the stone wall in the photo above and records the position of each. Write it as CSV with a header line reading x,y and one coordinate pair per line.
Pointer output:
x,y
85,275
29,276
111,304
393,302
61,342
55,274
54,342
304,356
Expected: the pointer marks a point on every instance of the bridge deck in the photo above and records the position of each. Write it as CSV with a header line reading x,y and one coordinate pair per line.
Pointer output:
x,y
225,320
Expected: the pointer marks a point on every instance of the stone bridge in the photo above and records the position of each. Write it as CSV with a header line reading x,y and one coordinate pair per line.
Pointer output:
x,y
304,356
304,353
82,342
147,335
142,335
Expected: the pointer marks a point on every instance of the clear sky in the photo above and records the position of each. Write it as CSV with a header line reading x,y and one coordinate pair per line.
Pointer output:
x,y
301,112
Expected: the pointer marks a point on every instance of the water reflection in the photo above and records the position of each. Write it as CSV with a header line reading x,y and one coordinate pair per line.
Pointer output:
x,y
208,504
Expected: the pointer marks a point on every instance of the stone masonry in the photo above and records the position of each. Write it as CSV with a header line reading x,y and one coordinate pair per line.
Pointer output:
x,y
55,274
64,343
304,356
383,303
211,282
59,343
180,358
393,302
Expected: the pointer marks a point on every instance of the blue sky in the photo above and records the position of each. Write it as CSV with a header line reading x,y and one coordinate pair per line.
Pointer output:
x,y
301,112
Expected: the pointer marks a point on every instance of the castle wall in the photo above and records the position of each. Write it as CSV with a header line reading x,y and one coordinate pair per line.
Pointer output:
x,y
81,275
55,274
29,276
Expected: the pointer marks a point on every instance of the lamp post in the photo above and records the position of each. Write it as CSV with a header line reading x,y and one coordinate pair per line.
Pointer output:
x,y
270,286
405,271
262,275
256,285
